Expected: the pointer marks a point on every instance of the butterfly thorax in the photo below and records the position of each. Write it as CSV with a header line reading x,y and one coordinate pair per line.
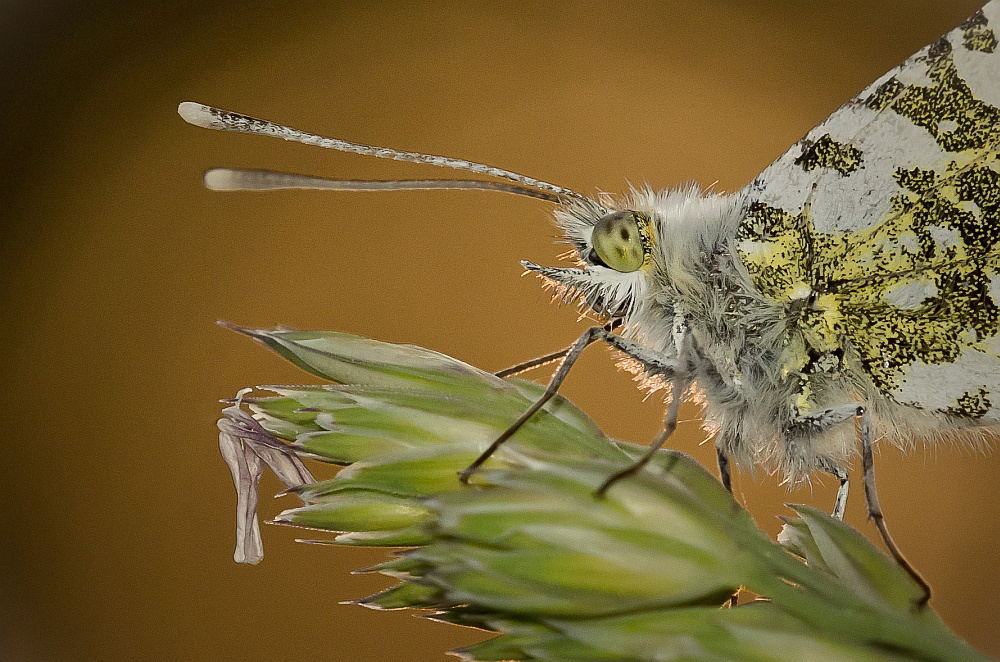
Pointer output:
x,y
740,348
757,365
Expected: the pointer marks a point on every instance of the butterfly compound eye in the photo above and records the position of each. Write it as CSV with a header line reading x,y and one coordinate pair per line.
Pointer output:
x,y
617,241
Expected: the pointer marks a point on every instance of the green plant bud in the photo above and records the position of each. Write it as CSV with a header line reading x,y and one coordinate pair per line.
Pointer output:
x,y
357,510
832,546
348,359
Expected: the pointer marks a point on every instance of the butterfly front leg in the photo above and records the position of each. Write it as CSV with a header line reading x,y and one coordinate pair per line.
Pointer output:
x,y
569,357
549,358
652,363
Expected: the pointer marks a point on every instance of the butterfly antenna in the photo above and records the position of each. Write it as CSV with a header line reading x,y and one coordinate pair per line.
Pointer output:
x,y
229,179
224,120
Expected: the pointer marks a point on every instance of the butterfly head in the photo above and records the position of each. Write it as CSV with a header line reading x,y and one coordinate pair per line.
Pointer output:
x,y
614,251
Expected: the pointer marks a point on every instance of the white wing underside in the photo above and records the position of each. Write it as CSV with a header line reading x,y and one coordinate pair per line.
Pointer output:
x,y
844,182
888,141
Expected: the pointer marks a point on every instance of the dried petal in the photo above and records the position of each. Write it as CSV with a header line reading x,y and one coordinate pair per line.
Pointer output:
x,y
246,469
246,447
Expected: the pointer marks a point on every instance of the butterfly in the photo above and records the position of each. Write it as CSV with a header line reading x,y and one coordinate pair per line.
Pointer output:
x,y
855,280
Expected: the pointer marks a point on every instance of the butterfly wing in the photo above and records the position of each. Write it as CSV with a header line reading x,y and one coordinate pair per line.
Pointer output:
x,y
881,228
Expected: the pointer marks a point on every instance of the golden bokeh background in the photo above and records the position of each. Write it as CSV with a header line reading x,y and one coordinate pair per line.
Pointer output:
x,y
118,513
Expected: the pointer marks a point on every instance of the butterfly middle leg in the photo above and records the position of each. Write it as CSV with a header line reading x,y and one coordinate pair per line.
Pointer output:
x,y
817,423
669,425
840,503
725,472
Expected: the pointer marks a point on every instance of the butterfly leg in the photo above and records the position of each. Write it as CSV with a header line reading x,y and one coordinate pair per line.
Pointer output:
x,y
875,509
840,503
568,359
725,476
822,421
826,419
548,358
652,363
724,469
669,425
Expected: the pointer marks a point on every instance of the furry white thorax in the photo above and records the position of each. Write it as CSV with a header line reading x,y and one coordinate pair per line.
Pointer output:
x,y
736,337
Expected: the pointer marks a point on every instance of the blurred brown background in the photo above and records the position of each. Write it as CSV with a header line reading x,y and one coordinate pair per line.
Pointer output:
x,y
117,512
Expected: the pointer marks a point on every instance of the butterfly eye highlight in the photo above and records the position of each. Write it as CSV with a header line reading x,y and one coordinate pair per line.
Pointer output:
x,y
618,241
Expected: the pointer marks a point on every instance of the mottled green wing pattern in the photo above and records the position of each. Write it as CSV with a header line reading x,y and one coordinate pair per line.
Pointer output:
x,y
881,228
